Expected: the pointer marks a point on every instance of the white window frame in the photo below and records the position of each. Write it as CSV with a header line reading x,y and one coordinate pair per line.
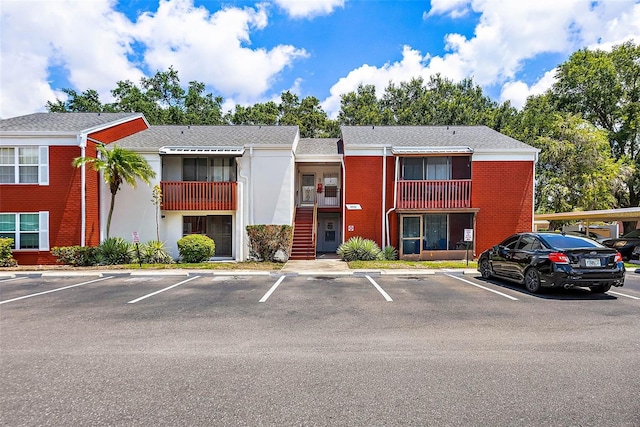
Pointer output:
x,y
43,230
42,164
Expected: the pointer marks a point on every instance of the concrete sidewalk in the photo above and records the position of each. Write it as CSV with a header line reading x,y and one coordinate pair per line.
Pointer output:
x,y
323,265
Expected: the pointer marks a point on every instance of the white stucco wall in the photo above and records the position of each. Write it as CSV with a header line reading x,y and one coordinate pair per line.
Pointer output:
x,y
269,198
266,192
134,210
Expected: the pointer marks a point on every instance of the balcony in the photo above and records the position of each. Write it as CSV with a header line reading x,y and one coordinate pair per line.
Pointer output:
x,y
198,196
329,198
436,194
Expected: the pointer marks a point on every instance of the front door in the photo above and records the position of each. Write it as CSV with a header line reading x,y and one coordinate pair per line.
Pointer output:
x,y
308,189
219,228
329,235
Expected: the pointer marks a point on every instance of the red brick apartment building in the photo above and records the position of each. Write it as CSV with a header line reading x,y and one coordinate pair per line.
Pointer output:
x,y
415,188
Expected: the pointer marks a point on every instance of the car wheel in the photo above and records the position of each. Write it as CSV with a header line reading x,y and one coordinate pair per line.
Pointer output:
x,y
485,269
532,280
600,289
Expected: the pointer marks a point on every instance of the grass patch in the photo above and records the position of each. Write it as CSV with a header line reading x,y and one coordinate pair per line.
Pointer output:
x,y
411,264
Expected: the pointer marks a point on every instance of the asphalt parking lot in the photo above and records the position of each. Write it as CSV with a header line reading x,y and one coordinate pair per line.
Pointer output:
x,y
437,349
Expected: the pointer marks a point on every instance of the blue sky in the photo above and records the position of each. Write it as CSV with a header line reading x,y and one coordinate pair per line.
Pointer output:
x,y
250,52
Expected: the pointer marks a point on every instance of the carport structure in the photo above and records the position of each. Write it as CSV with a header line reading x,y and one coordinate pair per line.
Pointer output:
x,y
605,215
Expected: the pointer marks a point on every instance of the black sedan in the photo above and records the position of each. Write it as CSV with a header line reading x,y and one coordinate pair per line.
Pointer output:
x,y
625,244
553,260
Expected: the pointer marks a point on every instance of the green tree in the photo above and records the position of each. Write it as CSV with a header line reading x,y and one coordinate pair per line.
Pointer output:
x,y
130,98
439,101
201,108
85,102
259,114
360,108
604,87
575,170
160,98
117,165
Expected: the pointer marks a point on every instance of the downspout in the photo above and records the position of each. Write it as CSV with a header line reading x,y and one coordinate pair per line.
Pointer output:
x,y
344,198
251,185
384,196
243,214
82,142
395,197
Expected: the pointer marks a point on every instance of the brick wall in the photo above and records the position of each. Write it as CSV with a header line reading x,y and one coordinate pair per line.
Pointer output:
x,y
503,191
363,185
61,198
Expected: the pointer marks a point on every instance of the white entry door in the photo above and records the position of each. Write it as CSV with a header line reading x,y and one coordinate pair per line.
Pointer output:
x,y
308,189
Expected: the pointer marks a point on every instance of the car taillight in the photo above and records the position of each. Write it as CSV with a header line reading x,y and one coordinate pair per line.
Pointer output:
x,y
558,258
618,257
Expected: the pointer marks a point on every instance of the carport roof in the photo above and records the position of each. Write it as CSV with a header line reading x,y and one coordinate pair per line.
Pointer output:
x,y
622,214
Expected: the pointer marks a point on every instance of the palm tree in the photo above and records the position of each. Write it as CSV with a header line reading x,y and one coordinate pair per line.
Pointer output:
x,y
117,165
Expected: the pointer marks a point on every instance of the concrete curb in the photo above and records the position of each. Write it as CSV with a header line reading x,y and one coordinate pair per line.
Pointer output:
x,y
228,273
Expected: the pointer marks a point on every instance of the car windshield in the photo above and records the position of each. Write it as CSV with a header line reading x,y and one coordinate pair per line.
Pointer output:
x,y
560,241
634,233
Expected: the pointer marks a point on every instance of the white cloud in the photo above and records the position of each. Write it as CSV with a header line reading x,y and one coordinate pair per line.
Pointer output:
x,y
309,8
86,39
93,44
411,65
213,48
518,91
453,8
508,34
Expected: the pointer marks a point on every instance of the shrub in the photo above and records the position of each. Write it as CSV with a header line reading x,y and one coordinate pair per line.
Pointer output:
x,y
389,253
154,252
77,256
266,240
114,250
359,249
6,256
196,248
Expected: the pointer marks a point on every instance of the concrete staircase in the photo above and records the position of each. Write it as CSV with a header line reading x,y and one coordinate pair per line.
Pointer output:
x,y
303,244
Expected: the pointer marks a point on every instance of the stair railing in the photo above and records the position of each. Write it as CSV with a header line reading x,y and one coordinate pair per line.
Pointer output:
x,y
315,227
293,229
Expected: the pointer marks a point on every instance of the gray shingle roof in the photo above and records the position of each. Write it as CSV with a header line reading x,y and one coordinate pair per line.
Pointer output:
x,y
72,123
209,136
475,137
317,146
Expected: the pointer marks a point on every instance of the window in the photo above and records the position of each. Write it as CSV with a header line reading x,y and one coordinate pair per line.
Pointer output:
x,y
410,235
24,165
194,225
28,230
194,169
430,232
426,168
435,231
529,243
223,169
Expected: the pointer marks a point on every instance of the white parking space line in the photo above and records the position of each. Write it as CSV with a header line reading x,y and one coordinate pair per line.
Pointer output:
x,y
55,290
273,288
11,279
384,294
482,287
623,295
162,290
